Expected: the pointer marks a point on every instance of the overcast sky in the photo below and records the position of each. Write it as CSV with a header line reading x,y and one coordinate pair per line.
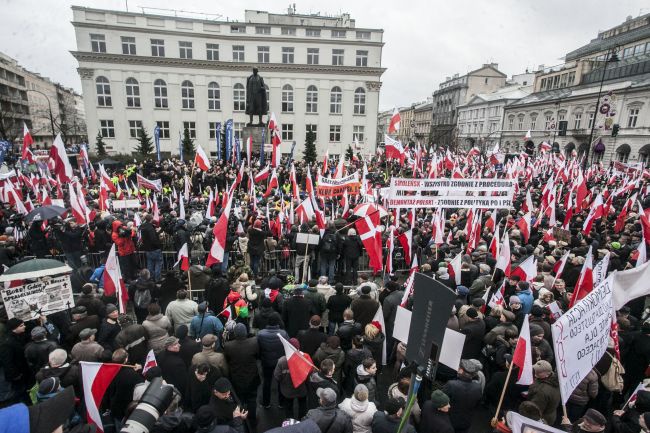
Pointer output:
x,y
425,40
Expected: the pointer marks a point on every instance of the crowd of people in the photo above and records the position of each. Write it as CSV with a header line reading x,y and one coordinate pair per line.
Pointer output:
x,y
214,330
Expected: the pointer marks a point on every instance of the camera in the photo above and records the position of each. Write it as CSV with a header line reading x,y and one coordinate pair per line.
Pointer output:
x,y
124,232
154,402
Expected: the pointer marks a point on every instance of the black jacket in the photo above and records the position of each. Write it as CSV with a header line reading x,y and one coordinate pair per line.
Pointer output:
x,y
242,355
347,330
107,333
149,238
352,247
174,370
120,392
364,309
94,305
271,348
331,419
310,340
464,396
87,322
317,380
382,423
434,420
474,331
296,313
12,358
37,352
336,305
262,315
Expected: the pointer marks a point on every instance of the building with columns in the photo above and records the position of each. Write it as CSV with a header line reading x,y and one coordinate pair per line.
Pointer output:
x,y
323,73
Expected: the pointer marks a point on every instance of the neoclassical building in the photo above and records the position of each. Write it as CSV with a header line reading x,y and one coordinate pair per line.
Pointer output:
x,y
138,69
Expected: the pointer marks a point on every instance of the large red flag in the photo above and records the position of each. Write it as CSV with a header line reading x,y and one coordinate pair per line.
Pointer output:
x,y
299,363
96,377
113,282
523,355
585,283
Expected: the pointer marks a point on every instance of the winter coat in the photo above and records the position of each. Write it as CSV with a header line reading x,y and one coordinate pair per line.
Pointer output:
x,y
158,327
68,375
256,241
416,412
347,330
198,393
382,423
150,241
181,312
361,413
305,426
352,247
434,420
336,305
586,390
283,377
189,348
176,422
37,353
317,300
78,326
120,392
364,309
337,420
361,376
94,305
317,380
215,359
107,333
464,396
296,313
376,346
261,317
134,338
336,355
124,245
271,348
173,368
89,351
204,324
310,340
242,354
474,331
526,298
545,393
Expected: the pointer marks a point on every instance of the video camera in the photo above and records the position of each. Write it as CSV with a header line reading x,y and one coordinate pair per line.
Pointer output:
x,y
154,402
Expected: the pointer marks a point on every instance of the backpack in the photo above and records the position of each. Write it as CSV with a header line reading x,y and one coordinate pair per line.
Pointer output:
x,y
613,379
329,244
142,298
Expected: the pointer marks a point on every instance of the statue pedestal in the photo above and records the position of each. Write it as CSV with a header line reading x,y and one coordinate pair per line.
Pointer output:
x,y
257,132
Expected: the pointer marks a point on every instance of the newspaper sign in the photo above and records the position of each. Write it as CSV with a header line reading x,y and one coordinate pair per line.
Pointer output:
x,y
125,204
444,201
580,336
327,187
47,296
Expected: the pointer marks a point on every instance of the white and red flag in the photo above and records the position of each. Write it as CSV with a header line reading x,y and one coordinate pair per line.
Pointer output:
x,y
96,377
107,179
325,161
249,150
390,245
454,267
395,121
585,283
524,226
262,174
27,142
528,135
201,158
559,265
299,363
504,258
220,230
523,355
527,270
59,157
498,299
183,258
305,210
150,361
273,183
113,282
79,211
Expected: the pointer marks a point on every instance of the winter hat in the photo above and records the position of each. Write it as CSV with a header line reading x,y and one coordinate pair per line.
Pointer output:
x,y
542,366
514,300
439,399
536,330
592,416
537,311
14,323
110,308
204,416
295,343
208,340
170,341
240,331
472,313
38,332
328,395
222,385
468,366
49,385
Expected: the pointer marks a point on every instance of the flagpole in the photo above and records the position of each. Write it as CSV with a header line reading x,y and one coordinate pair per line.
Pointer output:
x,y
189,279
495,419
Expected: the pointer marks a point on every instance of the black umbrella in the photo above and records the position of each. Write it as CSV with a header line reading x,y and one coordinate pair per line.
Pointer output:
x,y
34,268
45,212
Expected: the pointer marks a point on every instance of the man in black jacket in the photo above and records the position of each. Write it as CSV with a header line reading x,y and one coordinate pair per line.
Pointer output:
x,y
329,418
464,396
94,305
364,307
296,312
271,349
151,246
474,330
311,339
12,357
388,422
120,392
348,329
38,350
243,353
172,366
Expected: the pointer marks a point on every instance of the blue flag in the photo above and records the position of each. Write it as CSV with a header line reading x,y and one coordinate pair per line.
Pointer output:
x,y
156,138
218,137
228,139
180,145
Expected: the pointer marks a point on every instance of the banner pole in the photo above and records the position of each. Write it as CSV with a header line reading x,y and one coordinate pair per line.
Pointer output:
x,y
189,279
411,402
305,265
495,419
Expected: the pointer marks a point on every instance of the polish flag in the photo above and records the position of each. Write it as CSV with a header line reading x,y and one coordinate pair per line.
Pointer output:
x,y
113,282
559,265
527,270
491,222
544,147
494,244
340,169
228,313
249,149
595,213
45,199
294,183
394,149
262,174
454,267
96,377
27,141
78,211
378,319
305,210
523,355
220,230
585,283
149,362
325,160
59,157
641,256
276,140
345,204
107,179
527,136
497,299
299,363
503,258
156,211
183,258
406,240
524,226
209,211
408,285
527,205
201,159
273,124
273,183
390,245
395,121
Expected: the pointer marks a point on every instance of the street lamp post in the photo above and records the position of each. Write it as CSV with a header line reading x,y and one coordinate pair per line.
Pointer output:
x,y
49,106
609,59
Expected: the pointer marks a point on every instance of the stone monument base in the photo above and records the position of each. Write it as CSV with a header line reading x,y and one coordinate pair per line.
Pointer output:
x,y
257,132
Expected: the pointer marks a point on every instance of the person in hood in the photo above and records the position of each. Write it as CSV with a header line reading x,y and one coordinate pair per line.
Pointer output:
x,y
329,418
525,295
123,236
365,375
359,409
545,391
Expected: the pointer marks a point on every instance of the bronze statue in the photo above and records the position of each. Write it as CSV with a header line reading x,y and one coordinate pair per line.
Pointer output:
x,y
256,103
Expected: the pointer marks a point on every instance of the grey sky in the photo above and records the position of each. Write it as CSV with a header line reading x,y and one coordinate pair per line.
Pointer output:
x,y
425,40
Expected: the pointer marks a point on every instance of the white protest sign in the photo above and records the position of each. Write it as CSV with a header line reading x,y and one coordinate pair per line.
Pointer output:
x,y
436,201
520,424
452,185
126,204
580,337
452,344
58,202
27,302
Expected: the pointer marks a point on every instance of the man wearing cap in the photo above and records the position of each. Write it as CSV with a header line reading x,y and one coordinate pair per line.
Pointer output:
x,y
94,305
464,394
545,391
87,349
435,414
389,420
205,323
474,330
174,370
209,355
38,350
225,406
109,328
539,343
12,356
81,320
327,415
205,421
592,422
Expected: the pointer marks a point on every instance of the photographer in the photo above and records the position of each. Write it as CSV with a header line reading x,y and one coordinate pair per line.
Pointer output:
x,y
36,238
123,238
71,236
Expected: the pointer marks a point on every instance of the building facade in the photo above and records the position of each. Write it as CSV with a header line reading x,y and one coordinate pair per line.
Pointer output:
x,y
407,127
458,90
14,105
322,74
422,119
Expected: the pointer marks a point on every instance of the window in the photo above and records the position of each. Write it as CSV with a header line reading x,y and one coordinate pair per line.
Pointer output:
x,y
212,52
315,33
511,123
107,128
335,133
187,95
164,128
97,43
239,97
191,128
577,120
358,132
213,130
533,122
160,94
563,80
214,96
628,52
103,92
185,49
132,93
337,57
312,56
362,58
591,120
359,101
288,31
363,35
543,84
287,99
486,80
263,54
287,54
237,129
571,78
312,99
338,33
134,128
631,118
157,48
482,113
237,29
287,132
548,121
128,45
262,30
237,53
520,124
312,127
336,98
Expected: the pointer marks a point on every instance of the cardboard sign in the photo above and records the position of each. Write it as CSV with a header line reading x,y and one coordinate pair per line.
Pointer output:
x,y
47,296
328,187
126,204
307,238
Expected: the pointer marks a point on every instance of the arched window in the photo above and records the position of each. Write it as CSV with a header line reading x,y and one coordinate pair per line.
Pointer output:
x,y
214,96
287,99
360,101
623,152
239,97
160,94
644,155
336,98
312,99
103,92
132,93
187,95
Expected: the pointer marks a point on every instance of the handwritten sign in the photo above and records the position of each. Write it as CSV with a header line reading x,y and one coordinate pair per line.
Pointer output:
x,y
47,296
